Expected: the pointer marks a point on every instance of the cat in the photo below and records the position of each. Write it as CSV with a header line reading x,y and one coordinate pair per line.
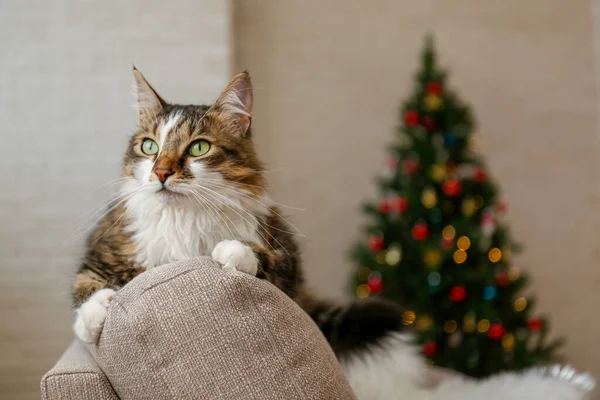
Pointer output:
x,y
192,185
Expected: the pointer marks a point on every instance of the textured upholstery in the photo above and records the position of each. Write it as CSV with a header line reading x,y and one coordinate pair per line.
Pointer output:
x,y
191,330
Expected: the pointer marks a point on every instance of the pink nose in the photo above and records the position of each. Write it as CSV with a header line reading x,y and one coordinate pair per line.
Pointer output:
x,y
163,174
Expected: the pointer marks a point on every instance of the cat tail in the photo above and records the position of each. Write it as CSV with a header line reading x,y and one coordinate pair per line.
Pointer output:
x,y
354,327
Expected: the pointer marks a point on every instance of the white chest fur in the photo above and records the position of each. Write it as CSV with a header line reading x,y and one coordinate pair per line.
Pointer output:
x,y
171,231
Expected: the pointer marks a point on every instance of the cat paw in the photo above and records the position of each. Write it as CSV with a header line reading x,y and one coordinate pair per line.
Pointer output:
x,y
234,254
90,317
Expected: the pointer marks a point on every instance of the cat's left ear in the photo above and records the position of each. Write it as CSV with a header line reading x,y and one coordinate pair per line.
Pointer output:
x,y
148,101
235,103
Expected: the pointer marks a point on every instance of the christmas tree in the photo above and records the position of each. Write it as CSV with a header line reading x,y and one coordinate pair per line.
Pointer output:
x,y
437,242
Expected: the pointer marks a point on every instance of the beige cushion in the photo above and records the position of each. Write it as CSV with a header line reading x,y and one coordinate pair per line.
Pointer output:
x,y
191,330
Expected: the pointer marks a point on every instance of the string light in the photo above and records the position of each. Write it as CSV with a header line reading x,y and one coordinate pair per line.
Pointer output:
x,y
380,257
432,257
393,256
508,341
513,273
429,198
495,254
363,273
408,317
424,322
437,172
450,326
483,326
469,207
469,323
434,279
449,232
460,256
520,304
463,243
363,291
474,143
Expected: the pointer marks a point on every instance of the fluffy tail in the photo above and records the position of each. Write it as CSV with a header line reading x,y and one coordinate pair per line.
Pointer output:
x,y
350,328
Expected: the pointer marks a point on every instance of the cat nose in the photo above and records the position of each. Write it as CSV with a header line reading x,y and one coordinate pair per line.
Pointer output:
x,y
163,174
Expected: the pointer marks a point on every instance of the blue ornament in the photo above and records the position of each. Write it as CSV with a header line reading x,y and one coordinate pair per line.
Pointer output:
x,y
449,140
489,292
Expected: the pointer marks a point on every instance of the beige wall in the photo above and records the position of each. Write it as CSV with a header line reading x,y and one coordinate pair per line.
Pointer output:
x,y
330,76
65,107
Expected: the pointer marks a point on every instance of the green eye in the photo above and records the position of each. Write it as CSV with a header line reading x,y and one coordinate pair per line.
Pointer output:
x,y
199,148
149,147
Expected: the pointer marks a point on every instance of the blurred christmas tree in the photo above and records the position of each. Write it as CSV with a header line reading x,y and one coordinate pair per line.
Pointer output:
x,y
437,243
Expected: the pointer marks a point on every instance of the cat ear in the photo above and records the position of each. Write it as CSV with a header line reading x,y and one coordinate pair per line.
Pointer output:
x,y
235,102
148,101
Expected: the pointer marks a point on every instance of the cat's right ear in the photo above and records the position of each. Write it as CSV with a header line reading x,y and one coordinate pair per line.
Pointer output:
x,y
149,103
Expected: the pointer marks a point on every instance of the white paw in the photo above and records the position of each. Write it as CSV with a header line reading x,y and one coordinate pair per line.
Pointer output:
x,y
234,254
89,319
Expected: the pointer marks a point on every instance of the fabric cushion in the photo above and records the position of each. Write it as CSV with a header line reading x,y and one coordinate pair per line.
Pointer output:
x,y
190,330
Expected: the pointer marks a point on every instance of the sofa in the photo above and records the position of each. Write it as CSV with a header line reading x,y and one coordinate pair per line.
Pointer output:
x,y
191,330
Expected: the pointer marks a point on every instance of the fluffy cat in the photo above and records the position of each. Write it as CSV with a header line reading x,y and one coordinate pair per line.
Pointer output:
x,y
192,185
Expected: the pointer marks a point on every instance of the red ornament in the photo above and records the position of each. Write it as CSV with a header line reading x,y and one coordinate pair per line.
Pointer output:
x,y
434,88
501,207
447,244
376,243
451,188
534,324
488,221
399,204
384,206
411,166
501,278
429,124
479,175
375,284
430,349
391,163
411,118
496,331
458,294
420,231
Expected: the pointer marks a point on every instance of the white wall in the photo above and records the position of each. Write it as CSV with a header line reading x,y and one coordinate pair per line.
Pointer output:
x,y
65,116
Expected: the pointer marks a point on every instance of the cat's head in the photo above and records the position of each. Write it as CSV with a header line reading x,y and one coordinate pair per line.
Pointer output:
x,y
193,153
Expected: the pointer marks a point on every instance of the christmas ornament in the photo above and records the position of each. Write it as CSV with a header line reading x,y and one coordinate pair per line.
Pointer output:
x,y
463,243
535,324
448,232
362,291
458,294
469,323
424,322
508,342
447,244
495,255
488,223
434,279
450,326
399,204
384,206
432,258
513,273
474,143
501,278
429,198
429,124
391,163
479,175
449,140
411,118
451,187
489,292
496,331
520,304
432,102
420,231
437,172
376,243
408,317
393,256
375,284
455,339
380,257
410,166
483,326
363,273
460,256
430,349
469,207
434,87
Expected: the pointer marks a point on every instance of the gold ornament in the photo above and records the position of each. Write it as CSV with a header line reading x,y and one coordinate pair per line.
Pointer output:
x,y
508,341
450,326
469,323
463,243
433,102
437,172
513,273
460,256
424,322
520,304
363,291
495,255
429,198
393,256
408,317
380,257
469,207
474,143
449,232
363,273
432,257
483,326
